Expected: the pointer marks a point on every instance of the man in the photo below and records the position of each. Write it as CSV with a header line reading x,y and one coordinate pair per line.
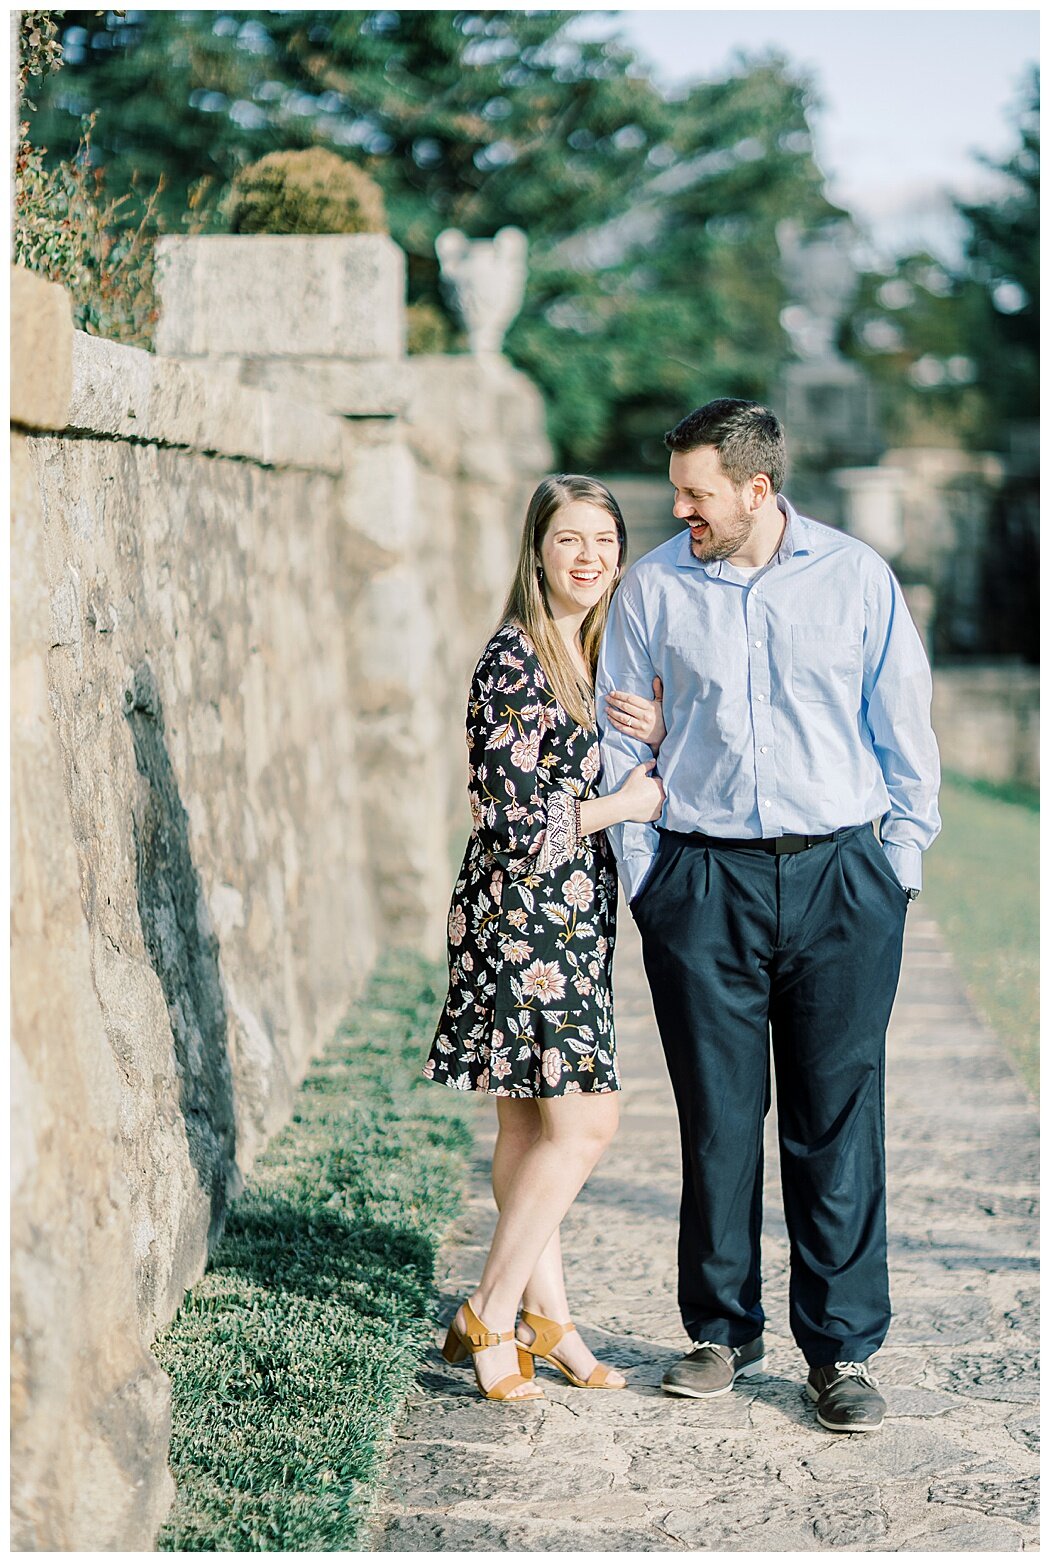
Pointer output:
x,y
796,698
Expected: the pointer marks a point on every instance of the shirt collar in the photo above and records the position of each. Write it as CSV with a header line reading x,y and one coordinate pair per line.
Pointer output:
x,y
797,538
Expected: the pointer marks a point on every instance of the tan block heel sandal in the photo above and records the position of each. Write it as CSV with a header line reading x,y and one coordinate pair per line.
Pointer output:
x,y
459,1345
548,1333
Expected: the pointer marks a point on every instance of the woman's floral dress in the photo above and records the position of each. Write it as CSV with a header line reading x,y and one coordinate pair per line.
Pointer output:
x,y
533,915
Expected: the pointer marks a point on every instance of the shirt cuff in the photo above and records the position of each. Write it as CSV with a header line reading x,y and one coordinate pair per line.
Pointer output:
x,y
634,871
906,862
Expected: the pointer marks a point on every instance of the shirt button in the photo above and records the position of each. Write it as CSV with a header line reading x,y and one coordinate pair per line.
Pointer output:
x,y
758,642
768,802
764,749
759,696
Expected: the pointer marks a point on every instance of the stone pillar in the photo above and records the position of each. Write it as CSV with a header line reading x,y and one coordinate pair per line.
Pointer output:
x,y
319,319
322,319
872,506
829,420
477,428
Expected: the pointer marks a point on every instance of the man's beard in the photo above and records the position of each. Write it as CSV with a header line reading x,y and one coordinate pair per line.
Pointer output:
x,y
712,548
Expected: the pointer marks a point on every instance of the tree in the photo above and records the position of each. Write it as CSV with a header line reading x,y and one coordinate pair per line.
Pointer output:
x,y
680,300
477,119
955,353
1003,252
955,349
470,119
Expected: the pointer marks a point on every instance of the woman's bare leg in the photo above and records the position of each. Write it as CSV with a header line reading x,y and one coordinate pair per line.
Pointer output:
x,y
574,1130
519,1128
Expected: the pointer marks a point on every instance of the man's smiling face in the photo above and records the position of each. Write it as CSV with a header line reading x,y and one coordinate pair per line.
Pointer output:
x,y
719,518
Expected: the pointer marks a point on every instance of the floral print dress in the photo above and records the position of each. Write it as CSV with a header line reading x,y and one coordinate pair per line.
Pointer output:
x,y
533,915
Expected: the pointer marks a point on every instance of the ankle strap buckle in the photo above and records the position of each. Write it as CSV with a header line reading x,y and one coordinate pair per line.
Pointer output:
x,y
487,1338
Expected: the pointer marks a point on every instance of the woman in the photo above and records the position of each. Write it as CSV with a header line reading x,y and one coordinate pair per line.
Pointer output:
x,y
528,1016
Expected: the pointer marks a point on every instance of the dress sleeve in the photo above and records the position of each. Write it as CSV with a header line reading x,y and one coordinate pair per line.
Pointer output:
x,y
518,811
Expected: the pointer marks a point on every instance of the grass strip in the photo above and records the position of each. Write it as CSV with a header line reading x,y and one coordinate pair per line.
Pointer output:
x,y
981,880
292,1356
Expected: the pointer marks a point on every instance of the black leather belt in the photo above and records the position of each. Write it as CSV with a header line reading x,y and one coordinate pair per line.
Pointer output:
x,y
776,845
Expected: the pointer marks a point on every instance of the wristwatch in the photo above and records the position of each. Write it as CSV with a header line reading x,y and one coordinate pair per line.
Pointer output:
x,y
912,894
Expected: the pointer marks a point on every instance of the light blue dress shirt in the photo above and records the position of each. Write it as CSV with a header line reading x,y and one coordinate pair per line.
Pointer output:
x,y
796,699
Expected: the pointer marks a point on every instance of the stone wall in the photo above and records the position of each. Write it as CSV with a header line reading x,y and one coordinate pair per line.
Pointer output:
x,y
89,1405
986,716
248,595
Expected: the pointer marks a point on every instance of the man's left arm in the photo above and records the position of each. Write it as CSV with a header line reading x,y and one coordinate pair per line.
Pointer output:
x,y
897,695
624,663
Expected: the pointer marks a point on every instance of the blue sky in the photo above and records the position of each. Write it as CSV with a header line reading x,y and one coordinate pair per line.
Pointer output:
x,y
908,96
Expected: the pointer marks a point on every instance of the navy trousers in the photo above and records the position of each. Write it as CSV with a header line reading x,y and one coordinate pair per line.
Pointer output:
x,y
742,948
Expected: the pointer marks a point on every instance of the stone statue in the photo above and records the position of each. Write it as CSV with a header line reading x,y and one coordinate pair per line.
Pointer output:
x,y
821,279
484,280
830,408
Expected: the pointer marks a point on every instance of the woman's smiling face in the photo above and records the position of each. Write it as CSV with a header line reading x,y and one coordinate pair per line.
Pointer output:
x,y
580,553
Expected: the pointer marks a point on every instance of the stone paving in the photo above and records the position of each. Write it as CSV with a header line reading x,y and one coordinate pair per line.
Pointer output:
x,y
955,1468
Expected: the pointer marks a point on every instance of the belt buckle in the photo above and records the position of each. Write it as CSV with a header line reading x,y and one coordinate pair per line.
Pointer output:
x,y
789,843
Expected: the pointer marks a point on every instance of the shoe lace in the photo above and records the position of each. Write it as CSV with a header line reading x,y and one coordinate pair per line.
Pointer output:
x,y
855,1369
718,1345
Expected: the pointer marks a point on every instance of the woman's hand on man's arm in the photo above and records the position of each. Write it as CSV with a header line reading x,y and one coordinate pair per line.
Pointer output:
x,y
637,717
639,799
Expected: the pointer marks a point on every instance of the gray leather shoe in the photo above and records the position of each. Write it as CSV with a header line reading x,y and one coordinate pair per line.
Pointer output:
x,y
846,1397
711,1369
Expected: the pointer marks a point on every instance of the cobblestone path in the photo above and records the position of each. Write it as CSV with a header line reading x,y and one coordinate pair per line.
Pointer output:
x,y
955,1467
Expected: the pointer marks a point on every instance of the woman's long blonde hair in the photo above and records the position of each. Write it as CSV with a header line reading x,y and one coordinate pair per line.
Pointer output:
x,y
527,602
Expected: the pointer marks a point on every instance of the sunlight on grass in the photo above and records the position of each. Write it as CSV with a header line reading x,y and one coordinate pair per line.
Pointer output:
x,y
981,881
291,1358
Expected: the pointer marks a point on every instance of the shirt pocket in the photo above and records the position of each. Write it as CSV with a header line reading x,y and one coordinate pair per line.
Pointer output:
x,y
825,663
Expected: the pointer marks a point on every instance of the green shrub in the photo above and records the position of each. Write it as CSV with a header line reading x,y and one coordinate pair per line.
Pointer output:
x,y
39,46
312,191
100,250
428,329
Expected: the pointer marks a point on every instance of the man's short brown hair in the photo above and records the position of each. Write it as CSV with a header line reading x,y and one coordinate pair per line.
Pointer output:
x,y
747,436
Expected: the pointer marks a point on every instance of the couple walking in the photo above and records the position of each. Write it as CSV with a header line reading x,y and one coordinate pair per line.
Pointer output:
x,y
762,699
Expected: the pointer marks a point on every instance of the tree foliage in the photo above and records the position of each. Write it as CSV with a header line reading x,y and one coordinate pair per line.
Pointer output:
x,y
956,349
651,221
39,48
1003,251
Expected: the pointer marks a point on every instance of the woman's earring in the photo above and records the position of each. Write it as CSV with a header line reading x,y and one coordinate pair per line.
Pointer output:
x,y
539,571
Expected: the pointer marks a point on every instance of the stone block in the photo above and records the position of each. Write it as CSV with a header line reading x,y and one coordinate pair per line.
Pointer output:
x,y
987,721
128,393
476,416
1025,1430
899,1452
922,1403
281,296
1008,1375
766,1519
376,387
41,351
978,1538
1017,1500
379,497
